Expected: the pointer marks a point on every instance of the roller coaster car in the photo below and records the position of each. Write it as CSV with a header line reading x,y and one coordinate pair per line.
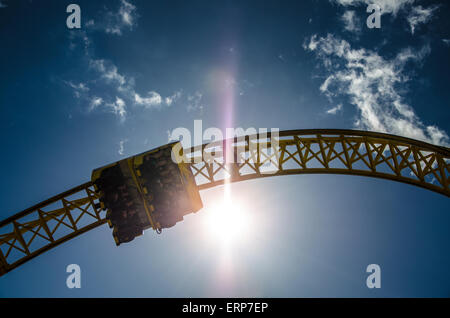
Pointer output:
x,y
147,190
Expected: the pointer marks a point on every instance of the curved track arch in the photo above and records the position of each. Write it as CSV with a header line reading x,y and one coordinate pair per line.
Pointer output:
x,y
331,151
50,223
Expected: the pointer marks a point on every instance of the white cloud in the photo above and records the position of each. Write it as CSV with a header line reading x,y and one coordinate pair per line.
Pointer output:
x,y
124,18
118,108
115,21
122,146
195,102
334,110
108,88
387,6
108,72
371,82
2,5
351,22
153,99
95,102
173,98
168,101
446,41
78,89
126,12
419,15
124,89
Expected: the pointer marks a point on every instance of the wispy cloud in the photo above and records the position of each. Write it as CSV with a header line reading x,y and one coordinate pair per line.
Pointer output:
x,y
108,72
125,18
78,89
415,15
334,110
118,108
446,41
419,15
153,99
113,91
372,82
116,21
173,98
2,5
106,87
121,150
95,102
351,22
194,102
124,88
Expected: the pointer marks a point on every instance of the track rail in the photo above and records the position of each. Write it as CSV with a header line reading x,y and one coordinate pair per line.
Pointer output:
x,y
330,151
48,224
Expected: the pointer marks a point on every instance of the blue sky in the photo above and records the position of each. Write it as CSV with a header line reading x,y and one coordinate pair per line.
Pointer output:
x,y
74,100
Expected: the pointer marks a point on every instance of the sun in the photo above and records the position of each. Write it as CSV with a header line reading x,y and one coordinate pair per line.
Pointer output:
x,y
229,222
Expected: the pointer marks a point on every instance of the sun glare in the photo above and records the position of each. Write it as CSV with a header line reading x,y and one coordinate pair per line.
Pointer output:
x,y
228,222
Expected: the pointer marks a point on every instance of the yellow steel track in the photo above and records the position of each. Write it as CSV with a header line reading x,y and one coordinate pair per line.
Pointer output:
x,y
36,230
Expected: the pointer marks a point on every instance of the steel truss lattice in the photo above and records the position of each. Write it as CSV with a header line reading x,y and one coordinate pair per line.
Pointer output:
x,y
47,225
325,151
332,151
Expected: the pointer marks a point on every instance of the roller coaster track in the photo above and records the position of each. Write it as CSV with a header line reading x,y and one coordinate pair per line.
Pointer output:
x,y
50,223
